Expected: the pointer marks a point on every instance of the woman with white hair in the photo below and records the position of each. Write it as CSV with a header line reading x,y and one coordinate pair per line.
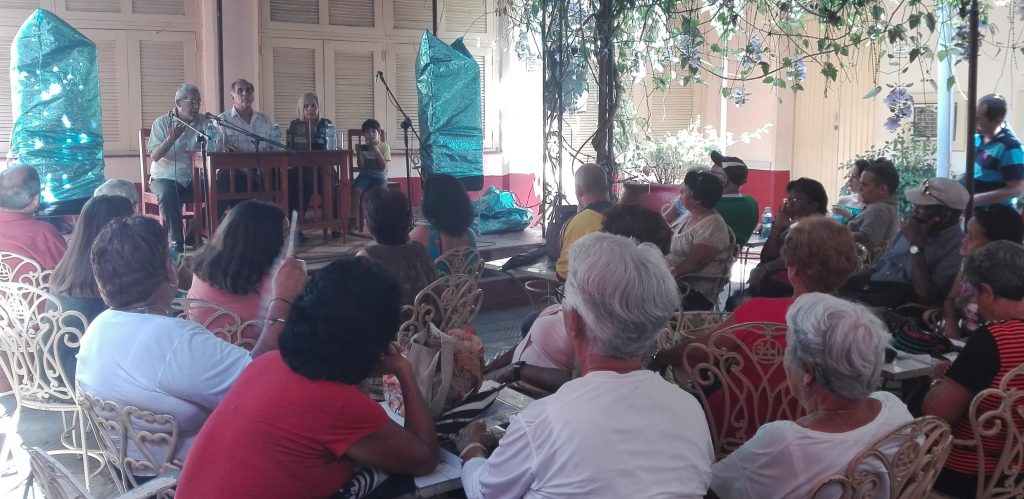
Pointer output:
x,y
834,355
619,430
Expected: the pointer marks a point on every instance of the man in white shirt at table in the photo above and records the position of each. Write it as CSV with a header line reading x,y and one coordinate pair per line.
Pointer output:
x,y
245,117
619,430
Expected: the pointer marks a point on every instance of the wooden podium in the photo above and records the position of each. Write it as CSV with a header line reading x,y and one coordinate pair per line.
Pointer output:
x,y
231,177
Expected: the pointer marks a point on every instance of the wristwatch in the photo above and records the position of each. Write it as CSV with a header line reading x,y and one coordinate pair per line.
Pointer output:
x,y
517,370
914,249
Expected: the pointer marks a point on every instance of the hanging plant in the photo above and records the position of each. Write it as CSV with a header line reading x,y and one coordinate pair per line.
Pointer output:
x,y
900,104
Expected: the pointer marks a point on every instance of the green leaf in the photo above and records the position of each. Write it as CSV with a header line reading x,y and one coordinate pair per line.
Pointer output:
x,y
942,55
950,82
779,82
914,20
830,71
914,54
873,92
768,80
765,68
929,20
726,92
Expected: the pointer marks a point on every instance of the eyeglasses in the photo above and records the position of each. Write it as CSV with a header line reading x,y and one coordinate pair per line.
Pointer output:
x,y
927,191
193,102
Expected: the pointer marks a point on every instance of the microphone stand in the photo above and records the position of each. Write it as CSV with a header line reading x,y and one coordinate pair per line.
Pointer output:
x,y
203,140
406,127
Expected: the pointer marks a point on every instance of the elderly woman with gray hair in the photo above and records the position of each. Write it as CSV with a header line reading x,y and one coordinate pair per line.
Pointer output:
x,y
834,355
619,430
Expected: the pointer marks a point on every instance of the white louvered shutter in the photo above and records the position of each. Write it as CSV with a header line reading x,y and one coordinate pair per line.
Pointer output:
x,y
165,7
353,89
294,75
405,89
481,63
670,110
162,69
295,11
6,121
465,16
413,14
93,5
357,13
19,4
111,90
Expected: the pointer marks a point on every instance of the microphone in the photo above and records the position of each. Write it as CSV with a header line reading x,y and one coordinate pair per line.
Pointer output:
x,y
213,117
380,75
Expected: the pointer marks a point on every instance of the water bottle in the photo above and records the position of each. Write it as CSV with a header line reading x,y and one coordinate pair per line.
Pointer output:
x,y
332,137
213,138
766,222
276,136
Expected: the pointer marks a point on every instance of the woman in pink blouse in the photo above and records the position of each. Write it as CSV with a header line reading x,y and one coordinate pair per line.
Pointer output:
x,y
234,268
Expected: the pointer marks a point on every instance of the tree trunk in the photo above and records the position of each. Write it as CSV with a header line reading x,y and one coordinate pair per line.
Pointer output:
x,y
608,90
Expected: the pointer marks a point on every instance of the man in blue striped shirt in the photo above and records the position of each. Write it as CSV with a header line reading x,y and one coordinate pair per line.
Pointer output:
x,y
998,159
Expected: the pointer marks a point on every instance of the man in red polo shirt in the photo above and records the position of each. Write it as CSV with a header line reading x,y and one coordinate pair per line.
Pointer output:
x,y
19,232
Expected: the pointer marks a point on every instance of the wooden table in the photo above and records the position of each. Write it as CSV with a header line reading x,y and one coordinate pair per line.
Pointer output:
x,y
448,475
269,182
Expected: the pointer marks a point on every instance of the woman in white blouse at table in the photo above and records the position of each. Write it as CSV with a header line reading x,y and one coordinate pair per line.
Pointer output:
x,y
834,355
619,430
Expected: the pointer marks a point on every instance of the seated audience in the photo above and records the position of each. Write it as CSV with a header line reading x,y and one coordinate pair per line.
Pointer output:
x,y
619,430
119,187
834,355
72,283
235,267
923,259
134,354
739,211
702,245
449,217
19,232
996,272
307,132
850,205
994,222
819,255
372,159
545,358
592,195
388,218
296,422
804,197
876,225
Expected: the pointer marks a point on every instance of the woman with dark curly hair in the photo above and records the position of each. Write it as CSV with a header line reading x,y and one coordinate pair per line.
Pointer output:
x,y
703,243
447,208
233,269
388,218
296,421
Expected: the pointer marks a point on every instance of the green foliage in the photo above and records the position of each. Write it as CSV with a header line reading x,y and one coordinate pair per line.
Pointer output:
x,y
914,158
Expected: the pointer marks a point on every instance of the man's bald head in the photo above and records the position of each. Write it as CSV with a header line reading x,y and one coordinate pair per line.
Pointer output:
x,y
19,188
591,180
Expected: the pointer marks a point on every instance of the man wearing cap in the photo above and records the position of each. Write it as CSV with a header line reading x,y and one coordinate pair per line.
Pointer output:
x,y
923,259
740,211
998,159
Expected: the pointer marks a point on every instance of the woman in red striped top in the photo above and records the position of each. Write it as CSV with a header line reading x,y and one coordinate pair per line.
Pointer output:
x,y
996,272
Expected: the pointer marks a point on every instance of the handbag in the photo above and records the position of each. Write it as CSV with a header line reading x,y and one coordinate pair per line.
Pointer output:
x,y
448,368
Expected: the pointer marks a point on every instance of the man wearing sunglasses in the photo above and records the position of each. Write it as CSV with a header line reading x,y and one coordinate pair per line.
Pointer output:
x,y
998,159
921,263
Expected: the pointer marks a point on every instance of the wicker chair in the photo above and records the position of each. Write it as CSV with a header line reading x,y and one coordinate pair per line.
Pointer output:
x,y
746,382
134,442
997,426
223,322
464,261
34,332
449,302
24,270
903,464
56,481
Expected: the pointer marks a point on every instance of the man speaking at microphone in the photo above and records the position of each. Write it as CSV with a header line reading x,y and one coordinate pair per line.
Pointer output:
x,y
171,144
